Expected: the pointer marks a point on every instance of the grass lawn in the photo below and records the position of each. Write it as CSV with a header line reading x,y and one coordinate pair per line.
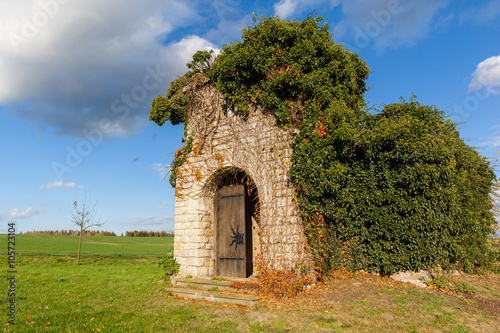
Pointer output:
x,y
93,245
125,292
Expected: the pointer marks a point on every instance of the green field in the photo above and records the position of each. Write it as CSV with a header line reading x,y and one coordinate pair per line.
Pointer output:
x,y
92,245
119,288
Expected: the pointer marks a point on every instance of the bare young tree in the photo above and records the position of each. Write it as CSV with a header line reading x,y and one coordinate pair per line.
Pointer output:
x,y
84,215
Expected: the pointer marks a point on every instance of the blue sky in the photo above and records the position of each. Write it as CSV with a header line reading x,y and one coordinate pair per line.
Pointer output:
x,y
78,76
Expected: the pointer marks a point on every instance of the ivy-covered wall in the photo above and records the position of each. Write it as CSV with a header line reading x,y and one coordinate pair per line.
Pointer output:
x,y
380,190
394,191
225,140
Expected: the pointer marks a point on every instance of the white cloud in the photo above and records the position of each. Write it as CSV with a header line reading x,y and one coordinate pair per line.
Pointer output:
x,y
162,169
387,23
494,142
57,184
229,29
70,66
487,75
166,205
29,212
383,23
444,23
482,14
182,51
225,19
151,221
287,8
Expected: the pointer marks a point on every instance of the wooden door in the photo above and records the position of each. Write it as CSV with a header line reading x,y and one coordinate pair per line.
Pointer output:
x,y
231,228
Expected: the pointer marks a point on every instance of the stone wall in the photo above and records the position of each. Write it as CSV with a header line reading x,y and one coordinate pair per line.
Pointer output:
x,y
224,138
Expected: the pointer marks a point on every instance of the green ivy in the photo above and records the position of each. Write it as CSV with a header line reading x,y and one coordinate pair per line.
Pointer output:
x,y
399,190
291,67
169,264
174,107
384,191
179,160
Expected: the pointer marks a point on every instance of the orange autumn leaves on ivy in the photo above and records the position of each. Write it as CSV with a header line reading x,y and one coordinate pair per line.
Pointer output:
x,y
320,127
379,190
394,190
317,234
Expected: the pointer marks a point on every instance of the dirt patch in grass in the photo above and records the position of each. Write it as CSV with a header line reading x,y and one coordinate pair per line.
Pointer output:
x,y
482,290
127,295
102,243
367,302
485,304
141,260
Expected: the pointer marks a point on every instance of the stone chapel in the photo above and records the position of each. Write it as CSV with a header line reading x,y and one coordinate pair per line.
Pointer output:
x,y
235,208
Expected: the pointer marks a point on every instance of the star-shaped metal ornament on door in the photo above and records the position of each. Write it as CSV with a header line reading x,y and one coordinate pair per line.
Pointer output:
x,y
237,237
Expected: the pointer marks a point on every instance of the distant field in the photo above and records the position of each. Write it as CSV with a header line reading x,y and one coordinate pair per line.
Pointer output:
x,y
92,245
118,287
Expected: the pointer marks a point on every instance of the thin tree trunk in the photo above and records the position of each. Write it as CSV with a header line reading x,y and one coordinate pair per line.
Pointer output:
x,y
79,247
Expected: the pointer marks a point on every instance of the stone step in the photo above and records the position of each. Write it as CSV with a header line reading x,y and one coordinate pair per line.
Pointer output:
x,y
214,296
206,284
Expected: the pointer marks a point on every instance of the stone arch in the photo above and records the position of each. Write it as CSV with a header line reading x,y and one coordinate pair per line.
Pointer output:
x,y
224,140
233,177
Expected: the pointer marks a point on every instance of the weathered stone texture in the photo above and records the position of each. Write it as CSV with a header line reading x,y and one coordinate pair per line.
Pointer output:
x,y
223,138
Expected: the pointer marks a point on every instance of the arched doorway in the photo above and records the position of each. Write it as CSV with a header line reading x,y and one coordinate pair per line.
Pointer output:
x,y
236,212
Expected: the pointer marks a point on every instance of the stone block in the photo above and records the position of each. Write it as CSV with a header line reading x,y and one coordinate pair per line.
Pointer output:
x,y
416,278
181,239
194,246
180,211
195,271
195,262
198,239
181,217
195,204
181,253
205,253
180,232
180,203
200,225
191,233
182,225
282,202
